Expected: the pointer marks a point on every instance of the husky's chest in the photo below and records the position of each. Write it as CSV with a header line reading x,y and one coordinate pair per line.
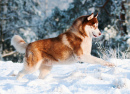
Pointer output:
x,y
86,45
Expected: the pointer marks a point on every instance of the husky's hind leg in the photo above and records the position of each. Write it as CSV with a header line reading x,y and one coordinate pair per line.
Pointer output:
x,y
28,69
44,70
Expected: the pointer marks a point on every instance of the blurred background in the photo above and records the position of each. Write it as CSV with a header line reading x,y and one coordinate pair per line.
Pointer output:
x,y
40,19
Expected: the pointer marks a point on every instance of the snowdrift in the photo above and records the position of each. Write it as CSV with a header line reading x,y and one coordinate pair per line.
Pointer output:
x,y
69,79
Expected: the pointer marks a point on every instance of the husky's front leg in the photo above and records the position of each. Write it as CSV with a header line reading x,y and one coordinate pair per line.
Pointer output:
x,y
95,60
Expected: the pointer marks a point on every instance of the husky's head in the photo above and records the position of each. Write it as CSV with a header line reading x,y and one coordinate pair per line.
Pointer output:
x,y
87,25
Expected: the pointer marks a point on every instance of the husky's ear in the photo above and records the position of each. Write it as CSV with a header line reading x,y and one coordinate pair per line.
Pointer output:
x,y
90,17
96,15
79,20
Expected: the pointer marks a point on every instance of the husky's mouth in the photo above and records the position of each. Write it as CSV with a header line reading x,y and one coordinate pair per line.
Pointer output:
x,y
94,35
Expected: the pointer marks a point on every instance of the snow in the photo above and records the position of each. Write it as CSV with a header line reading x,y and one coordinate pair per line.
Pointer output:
x,y
128,41
68,79
61,4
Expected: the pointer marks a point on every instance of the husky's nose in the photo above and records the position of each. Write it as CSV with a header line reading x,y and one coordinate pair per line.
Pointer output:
x,y
99,33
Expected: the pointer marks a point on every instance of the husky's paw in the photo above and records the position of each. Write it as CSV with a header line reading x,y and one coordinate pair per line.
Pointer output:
x,y
109,64
13,73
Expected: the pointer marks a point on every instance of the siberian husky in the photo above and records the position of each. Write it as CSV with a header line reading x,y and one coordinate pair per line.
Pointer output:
x,y
70,47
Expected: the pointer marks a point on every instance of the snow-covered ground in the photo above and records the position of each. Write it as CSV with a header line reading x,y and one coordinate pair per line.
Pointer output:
x,y
69,79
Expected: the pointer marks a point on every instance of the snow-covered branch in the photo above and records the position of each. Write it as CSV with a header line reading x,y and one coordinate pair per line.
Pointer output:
x,y
103,7
8,54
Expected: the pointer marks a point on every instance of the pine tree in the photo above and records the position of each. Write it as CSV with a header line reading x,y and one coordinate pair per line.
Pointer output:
x,y
18,17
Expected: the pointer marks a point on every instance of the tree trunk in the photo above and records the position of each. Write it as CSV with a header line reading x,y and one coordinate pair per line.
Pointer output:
x,y
123,26
1,33
1,41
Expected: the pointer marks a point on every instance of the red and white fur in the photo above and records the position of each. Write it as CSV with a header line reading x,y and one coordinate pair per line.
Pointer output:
x,y
69,47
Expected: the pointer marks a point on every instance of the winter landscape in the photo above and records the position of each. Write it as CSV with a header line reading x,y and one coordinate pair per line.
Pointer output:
x,y
40,19
69,79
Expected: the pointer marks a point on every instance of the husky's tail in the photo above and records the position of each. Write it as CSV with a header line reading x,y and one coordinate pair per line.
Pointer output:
x,y
19,44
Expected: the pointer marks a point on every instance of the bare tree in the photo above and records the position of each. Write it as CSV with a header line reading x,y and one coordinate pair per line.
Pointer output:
x,y
2,21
